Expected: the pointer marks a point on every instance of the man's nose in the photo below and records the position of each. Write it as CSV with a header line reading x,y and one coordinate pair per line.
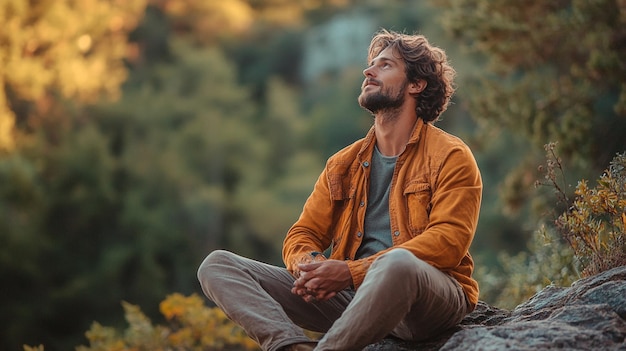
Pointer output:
x,y
369,71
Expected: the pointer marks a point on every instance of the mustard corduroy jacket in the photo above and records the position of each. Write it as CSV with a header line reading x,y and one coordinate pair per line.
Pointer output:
x,y
434,204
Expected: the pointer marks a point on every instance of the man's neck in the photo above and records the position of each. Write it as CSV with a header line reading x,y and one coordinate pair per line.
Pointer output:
x,y
393,130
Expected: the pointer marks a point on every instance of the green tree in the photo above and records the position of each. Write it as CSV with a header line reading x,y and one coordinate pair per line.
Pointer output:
x,y
555,71
126,199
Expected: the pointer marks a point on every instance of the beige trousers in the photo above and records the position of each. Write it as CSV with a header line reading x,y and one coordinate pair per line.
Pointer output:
x,y
401,295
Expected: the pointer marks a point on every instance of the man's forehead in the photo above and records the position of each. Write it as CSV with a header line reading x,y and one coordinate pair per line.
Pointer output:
x,y
387,54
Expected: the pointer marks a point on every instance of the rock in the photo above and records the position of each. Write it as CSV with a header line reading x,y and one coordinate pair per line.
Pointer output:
x,y
589,315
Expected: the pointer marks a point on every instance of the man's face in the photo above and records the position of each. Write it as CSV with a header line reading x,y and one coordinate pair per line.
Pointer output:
x,y
384,87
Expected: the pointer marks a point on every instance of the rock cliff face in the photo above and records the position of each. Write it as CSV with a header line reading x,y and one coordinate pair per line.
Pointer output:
x,y
589,315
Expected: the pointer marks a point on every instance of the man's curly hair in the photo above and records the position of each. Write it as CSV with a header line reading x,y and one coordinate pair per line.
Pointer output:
x,y
422,61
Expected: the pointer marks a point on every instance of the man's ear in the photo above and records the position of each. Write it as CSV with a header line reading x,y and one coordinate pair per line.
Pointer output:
x,y
418,86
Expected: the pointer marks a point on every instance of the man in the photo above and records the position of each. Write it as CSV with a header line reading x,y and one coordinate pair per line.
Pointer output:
x,y
398,211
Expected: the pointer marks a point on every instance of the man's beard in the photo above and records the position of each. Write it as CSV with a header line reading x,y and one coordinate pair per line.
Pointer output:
x,y
383,101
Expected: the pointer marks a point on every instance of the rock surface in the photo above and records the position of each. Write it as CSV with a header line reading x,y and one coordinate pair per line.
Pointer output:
x,y
589,315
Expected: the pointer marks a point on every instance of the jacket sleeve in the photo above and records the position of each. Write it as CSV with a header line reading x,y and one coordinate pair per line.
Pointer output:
x,y
311,232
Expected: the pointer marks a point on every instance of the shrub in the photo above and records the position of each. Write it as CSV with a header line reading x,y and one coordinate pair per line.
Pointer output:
x,y
586,239
191,326
595,224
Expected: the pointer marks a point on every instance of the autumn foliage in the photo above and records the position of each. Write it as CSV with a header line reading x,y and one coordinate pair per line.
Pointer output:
x,y
189,325
595,225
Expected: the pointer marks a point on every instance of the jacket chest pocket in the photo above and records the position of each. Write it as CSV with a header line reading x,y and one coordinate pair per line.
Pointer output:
x,y
417,197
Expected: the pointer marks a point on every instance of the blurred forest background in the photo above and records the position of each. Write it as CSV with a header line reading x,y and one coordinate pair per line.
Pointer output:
x,y
138,135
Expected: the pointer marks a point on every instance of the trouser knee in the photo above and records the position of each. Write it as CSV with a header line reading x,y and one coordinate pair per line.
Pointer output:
x,y
400,265
212,261
399,260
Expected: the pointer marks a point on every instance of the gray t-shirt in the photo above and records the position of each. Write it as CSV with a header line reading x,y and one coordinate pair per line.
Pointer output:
x,y
377,228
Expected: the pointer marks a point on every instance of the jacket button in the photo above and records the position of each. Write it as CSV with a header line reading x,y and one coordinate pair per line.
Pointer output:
x,y
396,233
366,164
362,204
359,234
